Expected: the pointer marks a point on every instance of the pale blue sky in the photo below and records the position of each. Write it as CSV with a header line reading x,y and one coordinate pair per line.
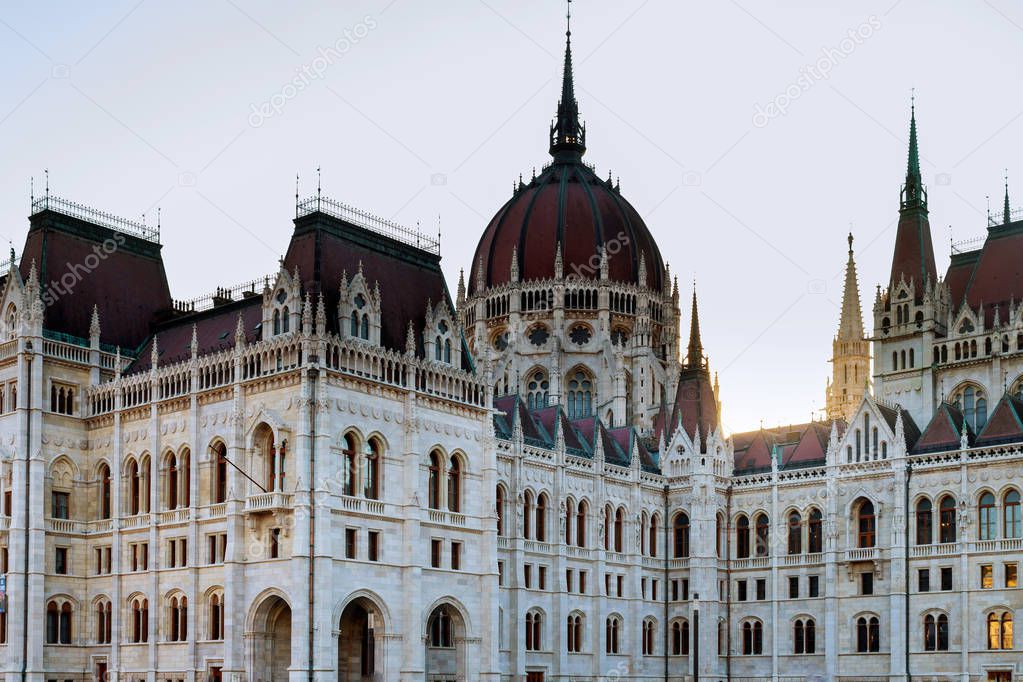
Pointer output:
x,y
137,104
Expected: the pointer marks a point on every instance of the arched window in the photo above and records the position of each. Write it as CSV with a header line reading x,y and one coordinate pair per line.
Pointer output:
x,y
742,537
354,324
569,520
185,477
277,322
104,492
680,638
795,533
220,474
973,404
580,395
924,522
216,622
649,631
867,524
608,516
619,529
652,541
930,633
1012,514
947,519
534,628
58,622
172,481
527,515
349,467
999,631
541,517
499,506
763,535
371,469
574,633
815,533
580,524
986,516
177,619
139,620
680,533
285,320
134,488
434,480
440,629
752,638
364,332
455,484
868,634
611,633
537,390
104,622
719,540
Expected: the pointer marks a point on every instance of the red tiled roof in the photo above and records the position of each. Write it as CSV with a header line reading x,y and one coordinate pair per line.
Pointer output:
x,y
997,277
944,432
914,253
695,404
1005,424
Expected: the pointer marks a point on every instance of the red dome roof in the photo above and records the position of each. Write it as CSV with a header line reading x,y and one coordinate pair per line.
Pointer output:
x,y
570,205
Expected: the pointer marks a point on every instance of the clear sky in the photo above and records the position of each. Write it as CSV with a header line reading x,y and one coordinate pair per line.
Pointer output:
x,y
416,110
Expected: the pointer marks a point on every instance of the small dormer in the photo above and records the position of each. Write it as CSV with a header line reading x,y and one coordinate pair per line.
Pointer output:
x,y
441,336
282,305
358,308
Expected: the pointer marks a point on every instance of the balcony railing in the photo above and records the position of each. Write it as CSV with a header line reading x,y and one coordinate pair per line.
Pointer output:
x,y
269,501
863,554
447,517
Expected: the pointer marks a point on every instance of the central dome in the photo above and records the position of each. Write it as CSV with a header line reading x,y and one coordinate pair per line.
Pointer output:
x,y
567,205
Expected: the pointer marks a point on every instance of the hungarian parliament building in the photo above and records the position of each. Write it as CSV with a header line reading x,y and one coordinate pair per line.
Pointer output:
x,y
340,471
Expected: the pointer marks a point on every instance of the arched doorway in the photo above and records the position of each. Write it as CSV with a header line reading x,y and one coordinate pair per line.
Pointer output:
x,y
445,645
360,655
270,655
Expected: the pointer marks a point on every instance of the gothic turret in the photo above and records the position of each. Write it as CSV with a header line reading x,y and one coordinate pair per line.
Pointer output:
x,y
568,135
913,259
850,351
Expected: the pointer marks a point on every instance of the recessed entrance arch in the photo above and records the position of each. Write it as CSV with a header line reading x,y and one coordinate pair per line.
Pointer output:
x,y
269,639
445,644
360,643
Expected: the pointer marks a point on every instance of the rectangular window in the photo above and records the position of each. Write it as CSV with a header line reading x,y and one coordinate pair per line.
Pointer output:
x,y
456,556
4,559
61,503
527,576
435,550
541,578
813,588
674,590
183,551
642,588
740,589
621,581
685,589
923,580
1010,574
350,543
607,584
60,561
761,589
99,561
866,583
946,578
653,590
582,582
172,553
568,580
373,547
500,573
987,576
793,587
275,543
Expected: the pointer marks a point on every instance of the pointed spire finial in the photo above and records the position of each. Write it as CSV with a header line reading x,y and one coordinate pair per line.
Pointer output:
x,y
1006,211
94,323
694,358
913,194
568,135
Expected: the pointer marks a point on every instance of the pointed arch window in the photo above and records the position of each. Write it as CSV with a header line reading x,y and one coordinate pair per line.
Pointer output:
x,y
178,619
947,519
580,523
541,517
608,520
349,467
134,488
58,622
654,531
987,518
742,537
999,631
139,620
924,522
1013,527
680,638
371,469
434,480
104,492
455,484
612,626
649,632
619,529
216,622
103,622
172,481
220,474
868,634
752,638
527,515
763,535
440,629
574,634
499,507
534,629
680,534
867,536
795,533
537,390
815,533
580,395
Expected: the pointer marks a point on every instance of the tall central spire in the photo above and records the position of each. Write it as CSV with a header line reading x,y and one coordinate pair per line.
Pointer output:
x,y
694,359
850,325
913,259
568,135
913,193
1006,211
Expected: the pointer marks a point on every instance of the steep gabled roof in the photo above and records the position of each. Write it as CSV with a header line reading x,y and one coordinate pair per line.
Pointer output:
x,y
794,446
909,427
1005,424
944,432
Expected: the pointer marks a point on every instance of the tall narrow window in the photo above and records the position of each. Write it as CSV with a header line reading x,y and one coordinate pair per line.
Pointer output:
x,y
580,524
104,492
1012,515
220,476
654,531
795,533
867,524
681,535
947,519
371,470
541,517
455,484
742,537
619,529
172,482
527,515
924,522
987,518
434,480
349,468
499,506
763,535
815,533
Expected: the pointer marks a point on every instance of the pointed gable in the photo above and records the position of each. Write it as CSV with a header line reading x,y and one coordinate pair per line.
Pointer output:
x,y
1005,425
812,447
944,432
909,427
